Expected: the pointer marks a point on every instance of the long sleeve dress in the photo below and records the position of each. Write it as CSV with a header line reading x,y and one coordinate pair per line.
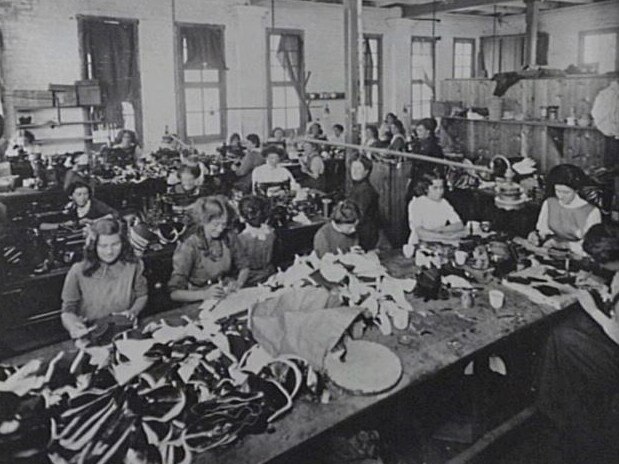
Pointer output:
x,y
366,198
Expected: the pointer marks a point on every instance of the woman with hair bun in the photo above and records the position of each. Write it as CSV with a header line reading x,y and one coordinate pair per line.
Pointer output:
x,y
565,216
110,279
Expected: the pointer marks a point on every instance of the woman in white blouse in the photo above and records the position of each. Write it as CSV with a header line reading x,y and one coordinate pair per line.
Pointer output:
x,y
271,172
565,216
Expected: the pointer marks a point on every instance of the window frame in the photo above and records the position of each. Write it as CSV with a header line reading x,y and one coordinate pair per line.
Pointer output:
x,y
581,44
433,41
379,80
463,40
182,85
300,34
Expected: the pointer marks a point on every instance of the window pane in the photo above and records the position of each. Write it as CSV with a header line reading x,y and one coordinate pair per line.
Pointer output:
x,y
192,75
293,118
601,49
210,75
279,97
194,124
278,74
193,100
291,97
211,111
279,118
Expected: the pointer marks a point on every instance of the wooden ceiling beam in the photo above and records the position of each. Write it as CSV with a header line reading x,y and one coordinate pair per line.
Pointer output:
x,y
443,6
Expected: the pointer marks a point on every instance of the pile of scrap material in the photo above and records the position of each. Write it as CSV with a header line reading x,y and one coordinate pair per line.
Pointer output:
x,y
161,395
358,278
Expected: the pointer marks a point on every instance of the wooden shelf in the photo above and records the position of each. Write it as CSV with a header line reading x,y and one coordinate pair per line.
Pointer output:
x,y
53,124
555,125
62,140
37,108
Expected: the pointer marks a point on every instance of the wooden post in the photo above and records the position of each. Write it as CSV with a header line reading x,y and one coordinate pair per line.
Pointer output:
x,y
351,52
351,58
532,20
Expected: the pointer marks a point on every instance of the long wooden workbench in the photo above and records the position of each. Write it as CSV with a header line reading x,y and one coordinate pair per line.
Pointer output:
x,y
443,334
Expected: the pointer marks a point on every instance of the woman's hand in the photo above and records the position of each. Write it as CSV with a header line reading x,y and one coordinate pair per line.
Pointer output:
x,y
233,286
214,292
534,238
129,315
75,325
610,325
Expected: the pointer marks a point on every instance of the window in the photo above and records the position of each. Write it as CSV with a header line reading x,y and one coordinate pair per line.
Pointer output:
x,y
422,77
372,77
202,77
110,55
464,58
286,81
600,50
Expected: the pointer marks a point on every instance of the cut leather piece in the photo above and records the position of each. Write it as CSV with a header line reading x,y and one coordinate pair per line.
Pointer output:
x,y
547,290
161,404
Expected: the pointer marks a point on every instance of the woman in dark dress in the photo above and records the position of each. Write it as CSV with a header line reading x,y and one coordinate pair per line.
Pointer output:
x,y
580,368
398,141
425,144
366,198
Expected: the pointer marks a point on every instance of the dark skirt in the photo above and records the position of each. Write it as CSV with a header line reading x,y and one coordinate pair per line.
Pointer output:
x,y
579,378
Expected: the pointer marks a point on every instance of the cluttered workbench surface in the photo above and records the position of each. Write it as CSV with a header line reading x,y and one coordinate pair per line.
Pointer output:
x,y
308,322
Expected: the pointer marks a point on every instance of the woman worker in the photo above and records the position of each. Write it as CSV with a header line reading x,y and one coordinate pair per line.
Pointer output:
x,y
83,208
580,368
211,253
271,172
251,159
425,143
127,141
108,280
363,194
565,217
313,166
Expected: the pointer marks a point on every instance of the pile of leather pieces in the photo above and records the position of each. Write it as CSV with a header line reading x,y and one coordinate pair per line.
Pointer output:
x,y
181,396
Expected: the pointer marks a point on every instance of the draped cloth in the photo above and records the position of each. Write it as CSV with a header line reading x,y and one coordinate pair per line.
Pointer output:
x,y
289,56
113,51
204,46
368,71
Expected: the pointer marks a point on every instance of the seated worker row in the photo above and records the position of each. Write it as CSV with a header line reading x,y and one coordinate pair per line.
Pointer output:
x,y
109,280
271,175
354,221
82,208
565,216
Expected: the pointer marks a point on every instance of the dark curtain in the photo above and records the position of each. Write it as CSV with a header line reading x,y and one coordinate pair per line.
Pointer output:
x,y
543,42
112,47
204,45
367,71
287,44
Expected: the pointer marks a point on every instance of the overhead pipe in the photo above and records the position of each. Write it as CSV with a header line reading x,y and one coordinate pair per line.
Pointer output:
x,y
412,156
